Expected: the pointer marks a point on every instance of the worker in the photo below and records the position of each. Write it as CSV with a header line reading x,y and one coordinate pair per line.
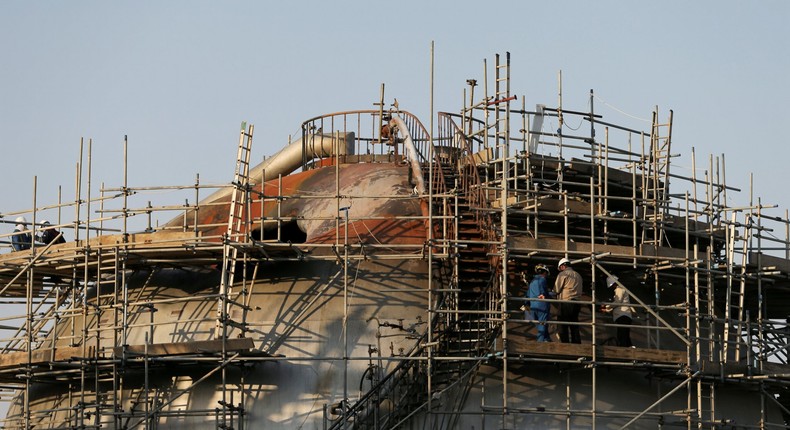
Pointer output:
x,y
50,234
621,311
539,289
568,287
21,239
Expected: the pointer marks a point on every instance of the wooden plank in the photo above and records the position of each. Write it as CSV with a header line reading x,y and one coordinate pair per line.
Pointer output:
x,y
603,352
44,356
662,251
544,163
781,264
517,244
775,369
618,353
551,244
145,240
481,157
73,353
71,251
184,348
623,177
574,206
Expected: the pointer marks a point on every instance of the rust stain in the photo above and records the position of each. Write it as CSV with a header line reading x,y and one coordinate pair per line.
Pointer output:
x,y
382,207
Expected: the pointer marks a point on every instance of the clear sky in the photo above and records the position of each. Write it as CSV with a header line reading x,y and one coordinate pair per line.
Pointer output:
x,y
178,77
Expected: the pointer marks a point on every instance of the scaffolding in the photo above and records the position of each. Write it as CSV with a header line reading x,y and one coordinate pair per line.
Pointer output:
x,y
481,203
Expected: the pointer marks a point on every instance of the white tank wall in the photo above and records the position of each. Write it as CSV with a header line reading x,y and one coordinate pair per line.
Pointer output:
x,y
536,398
287,393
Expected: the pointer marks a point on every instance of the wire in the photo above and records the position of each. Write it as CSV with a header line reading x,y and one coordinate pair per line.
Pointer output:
x,y
619,110
581,120
371,233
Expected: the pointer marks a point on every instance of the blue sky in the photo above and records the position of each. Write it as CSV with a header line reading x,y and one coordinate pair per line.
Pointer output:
x,y
178,77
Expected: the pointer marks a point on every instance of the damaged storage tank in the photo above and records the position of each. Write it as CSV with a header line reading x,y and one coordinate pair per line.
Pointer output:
x,y
372,274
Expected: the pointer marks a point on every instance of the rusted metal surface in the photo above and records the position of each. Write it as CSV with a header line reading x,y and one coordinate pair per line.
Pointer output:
x,y
382,206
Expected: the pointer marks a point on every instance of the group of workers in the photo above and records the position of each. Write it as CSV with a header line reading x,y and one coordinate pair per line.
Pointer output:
x,y
22,238
568,291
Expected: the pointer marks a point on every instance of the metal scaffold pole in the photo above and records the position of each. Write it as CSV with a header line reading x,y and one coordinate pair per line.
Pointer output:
x,y
208,321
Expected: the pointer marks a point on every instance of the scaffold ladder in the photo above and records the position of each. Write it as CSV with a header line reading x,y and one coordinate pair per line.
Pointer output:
x,y
704,310
655,195
706,402
736,290
501,105
236,234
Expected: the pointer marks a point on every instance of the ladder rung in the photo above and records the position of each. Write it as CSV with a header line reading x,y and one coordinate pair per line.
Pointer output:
x,y
232,323
241,305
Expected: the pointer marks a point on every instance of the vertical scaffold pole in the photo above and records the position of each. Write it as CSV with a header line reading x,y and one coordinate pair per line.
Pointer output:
x,y
431,159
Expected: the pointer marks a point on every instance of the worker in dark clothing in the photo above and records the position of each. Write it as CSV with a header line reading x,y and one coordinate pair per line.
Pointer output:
x,y
539,289
568,287
21,240
50,234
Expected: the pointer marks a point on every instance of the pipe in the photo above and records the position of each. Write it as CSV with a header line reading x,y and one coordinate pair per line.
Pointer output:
x,y
411,155
288,159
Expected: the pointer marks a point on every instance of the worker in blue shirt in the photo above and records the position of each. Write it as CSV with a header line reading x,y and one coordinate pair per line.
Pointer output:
x,y
539,289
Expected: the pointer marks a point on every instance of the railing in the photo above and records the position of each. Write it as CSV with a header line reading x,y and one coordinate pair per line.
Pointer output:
x,y
397,382
373,133
462,150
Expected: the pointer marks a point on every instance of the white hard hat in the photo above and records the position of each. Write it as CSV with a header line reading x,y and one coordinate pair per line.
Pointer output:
x,y
563,261
44,222
611,280
20,220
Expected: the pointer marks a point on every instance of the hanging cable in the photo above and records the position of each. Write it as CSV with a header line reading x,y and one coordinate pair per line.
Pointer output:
x,y
619,110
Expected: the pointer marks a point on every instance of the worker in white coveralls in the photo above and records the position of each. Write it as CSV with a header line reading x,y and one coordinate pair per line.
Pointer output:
x,y
621,311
